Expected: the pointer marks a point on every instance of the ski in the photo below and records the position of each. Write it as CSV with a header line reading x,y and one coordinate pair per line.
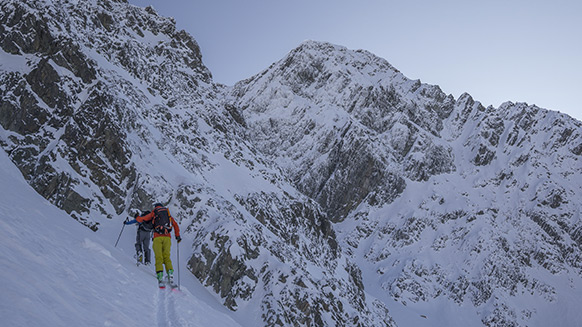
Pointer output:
x,y
173,287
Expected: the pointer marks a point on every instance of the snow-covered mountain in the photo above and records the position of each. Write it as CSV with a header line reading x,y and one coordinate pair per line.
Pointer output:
x,y
437,199
327,190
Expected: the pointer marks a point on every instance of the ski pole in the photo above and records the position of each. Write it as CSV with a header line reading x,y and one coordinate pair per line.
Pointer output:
x,y
118,237
178,249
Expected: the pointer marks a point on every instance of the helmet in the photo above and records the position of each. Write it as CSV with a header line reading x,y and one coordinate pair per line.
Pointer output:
x,y
158,205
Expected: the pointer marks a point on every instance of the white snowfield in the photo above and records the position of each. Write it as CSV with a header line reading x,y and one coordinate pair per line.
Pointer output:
x,y
56,272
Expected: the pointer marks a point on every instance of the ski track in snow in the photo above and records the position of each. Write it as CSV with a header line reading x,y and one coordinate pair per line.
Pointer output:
x,y
167,313
171,307
161,305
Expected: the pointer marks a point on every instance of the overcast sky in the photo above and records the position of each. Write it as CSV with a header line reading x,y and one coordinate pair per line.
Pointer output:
x,y
496,50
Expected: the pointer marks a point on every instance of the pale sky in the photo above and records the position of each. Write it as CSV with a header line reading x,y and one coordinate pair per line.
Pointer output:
x,y
496,50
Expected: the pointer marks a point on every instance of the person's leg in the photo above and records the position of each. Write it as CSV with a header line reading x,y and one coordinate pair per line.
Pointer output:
x,y
158,253
166,253
137,243
146,236
138,248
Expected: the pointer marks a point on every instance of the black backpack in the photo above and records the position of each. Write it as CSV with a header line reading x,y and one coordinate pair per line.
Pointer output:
x,y
161,221
147,226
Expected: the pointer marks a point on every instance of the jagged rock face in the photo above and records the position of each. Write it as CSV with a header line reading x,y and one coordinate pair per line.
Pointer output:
x,y
76,113
235,258
495,230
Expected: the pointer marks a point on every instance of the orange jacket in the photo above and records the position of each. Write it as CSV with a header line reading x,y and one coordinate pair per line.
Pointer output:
x,y
151,216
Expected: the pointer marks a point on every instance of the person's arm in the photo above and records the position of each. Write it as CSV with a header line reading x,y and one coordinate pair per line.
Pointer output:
x,y
176,228
148,217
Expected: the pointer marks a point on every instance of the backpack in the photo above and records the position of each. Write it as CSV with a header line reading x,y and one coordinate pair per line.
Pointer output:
x,y
147,226
161,221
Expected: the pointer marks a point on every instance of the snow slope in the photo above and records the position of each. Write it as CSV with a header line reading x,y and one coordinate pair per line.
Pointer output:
x,y
57,272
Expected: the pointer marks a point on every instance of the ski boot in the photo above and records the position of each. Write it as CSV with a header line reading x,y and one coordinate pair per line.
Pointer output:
x,y
139,257
160,275
171,279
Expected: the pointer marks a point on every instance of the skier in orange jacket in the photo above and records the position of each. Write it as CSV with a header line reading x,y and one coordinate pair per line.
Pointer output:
x,y
163,224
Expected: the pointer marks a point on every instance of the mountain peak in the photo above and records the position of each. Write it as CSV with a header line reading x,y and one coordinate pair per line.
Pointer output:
x,y
341,55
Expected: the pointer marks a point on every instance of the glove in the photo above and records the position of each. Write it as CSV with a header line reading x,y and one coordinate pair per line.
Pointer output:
x,y
179,239
126,221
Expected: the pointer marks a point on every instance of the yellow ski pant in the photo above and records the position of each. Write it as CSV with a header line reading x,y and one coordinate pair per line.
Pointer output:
x,y
161,247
